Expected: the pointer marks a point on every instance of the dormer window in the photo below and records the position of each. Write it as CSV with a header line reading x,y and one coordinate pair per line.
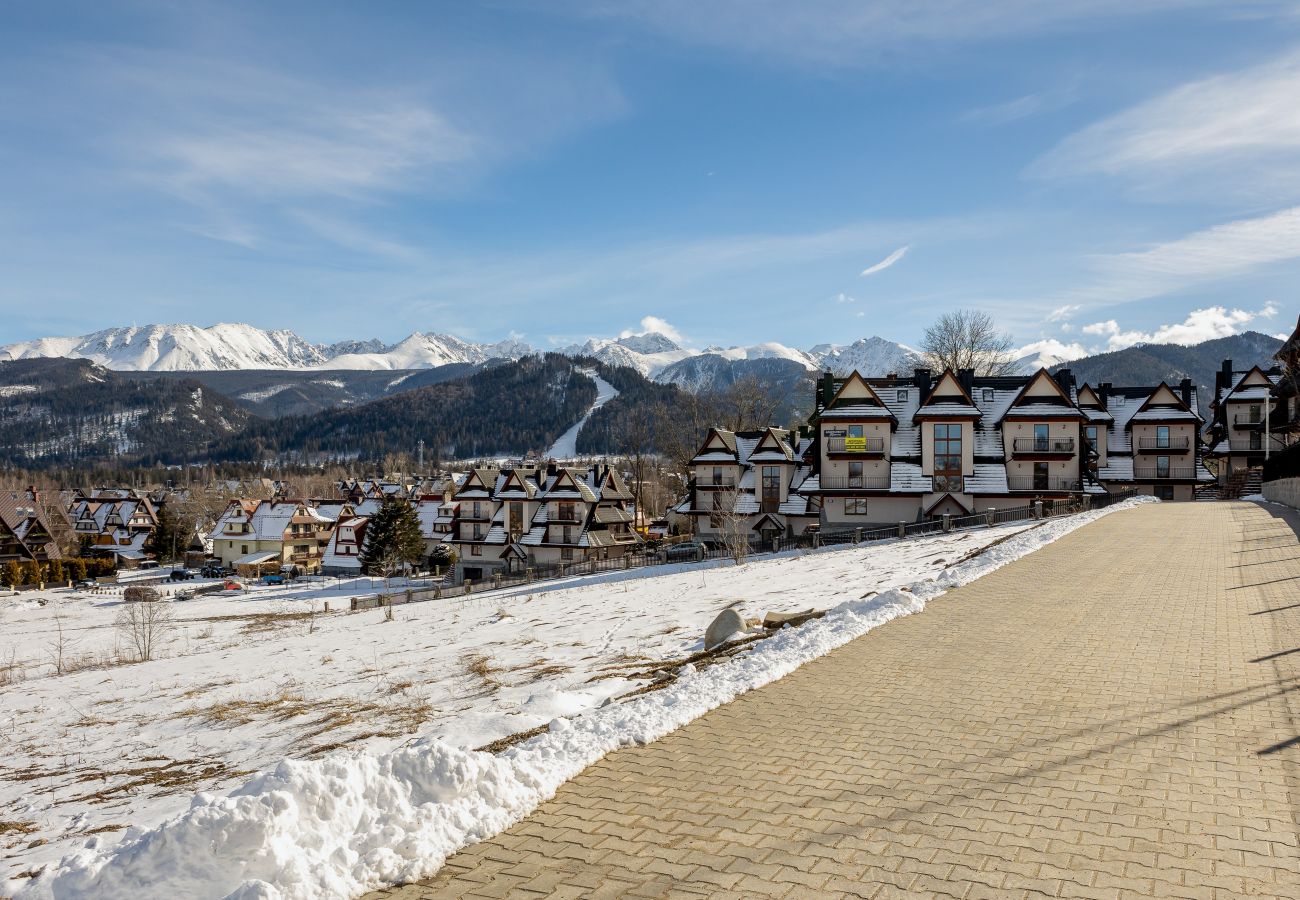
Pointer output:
x,y
988,395
902,395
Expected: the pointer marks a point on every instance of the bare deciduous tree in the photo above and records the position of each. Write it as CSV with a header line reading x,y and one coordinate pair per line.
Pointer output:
x,y
749,404
143,625
732,525
968,339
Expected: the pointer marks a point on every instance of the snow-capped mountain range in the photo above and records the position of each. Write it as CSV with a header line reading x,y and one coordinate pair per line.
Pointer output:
x,y
236,346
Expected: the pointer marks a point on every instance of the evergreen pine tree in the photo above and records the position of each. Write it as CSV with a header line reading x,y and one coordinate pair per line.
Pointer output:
x,y
393,538
167,539
13,573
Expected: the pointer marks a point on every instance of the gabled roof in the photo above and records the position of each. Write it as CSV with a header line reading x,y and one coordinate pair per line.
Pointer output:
x,y
1088,397
857,391
1163,404
948,399
770,448
1032,403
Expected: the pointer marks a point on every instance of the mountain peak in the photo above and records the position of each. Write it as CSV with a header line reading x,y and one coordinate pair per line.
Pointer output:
x,y
649,342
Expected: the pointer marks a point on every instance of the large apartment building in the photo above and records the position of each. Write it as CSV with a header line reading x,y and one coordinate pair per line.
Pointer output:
x,y
511,519
1251,417
879,451
252,535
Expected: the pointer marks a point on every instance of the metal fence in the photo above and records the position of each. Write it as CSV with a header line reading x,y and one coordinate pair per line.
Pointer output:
x,y
756,547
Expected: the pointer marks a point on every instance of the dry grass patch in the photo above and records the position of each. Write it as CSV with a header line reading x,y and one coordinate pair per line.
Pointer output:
x,y
481,667
261,622
285,703
16,828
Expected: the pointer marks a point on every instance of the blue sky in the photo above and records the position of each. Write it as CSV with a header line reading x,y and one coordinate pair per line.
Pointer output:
x,y
1091,173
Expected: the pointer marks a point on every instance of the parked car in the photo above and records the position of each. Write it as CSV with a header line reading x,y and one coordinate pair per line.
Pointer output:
x,y
276,578
149,564
181,575
138,593
689,550
85,584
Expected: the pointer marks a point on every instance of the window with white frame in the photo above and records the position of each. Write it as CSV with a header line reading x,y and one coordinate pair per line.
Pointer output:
x,y
855,506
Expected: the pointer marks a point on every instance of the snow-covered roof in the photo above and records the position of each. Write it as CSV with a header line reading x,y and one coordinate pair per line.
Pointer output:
x,y
988,478
857,411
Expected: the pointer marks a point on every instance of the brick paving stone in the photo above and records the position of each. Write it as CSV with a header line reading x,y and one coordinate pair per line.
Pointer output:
x,y
1108,717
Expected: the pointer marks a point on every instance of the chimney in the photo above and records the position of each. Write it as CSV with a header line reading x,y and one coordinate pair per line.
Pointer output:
x,y
921,378
1103,394
1185,389
1065,378
966,378
827,390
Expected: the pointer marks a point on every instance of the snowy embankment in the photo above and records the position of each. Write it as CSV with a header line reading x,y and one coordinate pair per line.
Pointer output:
x,y
337,826
566,446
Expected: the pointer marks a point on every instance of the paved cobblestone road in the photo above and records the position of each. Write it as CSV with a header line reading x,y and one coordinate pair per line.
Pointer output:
x,y
1117,714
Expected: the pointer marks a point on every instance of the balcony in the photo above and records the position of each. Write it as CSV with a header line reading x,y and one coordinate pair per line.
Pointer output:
x,y
856,446
563,516
1043,446
716,483
469,514
1248,420
302,557
1050,484
1253,444
1158,474
854,482
1164,445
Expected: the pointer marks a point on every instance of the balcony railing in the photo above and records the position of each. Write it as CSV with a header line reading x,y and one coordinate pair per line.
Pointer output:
x,y
1170,444
1247,420
1158,474
302,557
855,445
571,516
718,483
483,515
1051,484
1246,445
855,483
1043,445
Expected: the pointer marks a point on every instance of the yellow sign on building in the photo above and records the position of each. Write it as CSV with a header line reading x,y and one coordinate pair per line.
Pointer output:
x,y
855,445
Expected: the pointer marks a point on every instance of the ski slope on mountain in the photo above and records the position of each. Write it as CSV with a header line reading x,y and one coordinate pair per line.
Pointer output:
x,y
566,446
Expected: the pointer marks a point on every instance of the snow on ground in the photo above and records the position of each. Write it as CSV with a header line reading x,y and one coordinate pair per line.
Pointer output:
x,y
250,681
566,446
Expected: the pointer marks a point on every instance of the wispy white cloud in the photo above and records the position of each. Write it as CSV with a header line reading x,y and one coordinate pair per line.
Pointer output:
x,y
853,33
1232,249
1243,125
1062,313
1216,252
886,262
845,298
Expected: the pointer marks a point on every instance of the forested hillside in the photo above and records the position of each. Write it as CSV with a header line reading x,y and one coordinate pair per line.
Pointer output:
x,y
71,412
506,410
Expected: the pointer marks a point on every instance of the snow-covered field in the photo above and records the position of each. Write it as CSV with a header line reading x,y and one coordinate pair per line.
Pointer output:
x,y
379,717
